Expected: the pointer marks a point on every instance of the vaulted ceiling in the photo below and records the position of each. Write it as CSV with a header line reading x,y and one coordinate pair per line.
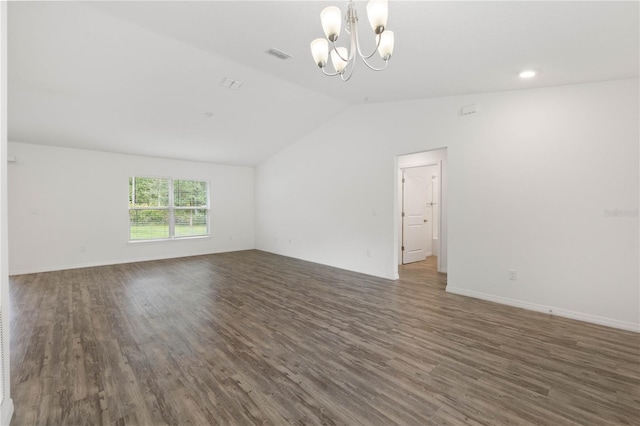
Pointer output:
x,y
145,77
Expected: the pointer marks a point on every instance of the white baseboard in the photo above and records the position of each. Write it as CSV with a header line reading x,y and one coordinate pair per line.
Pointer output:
x,y
581,316
115,262
391,276
6,408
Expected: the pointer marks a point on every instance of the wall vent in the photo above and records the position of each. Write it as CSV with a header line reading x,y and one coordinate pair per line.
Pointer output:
x,y
279,54
231,84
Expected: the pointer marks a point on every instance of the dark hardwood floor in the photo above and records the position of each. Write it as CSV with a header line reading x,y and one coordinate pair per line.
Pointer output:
x,y
254,338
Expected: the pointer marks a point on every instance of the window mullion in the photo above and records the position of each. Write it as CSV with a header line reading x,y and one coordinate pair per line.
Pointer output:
x,y
172,226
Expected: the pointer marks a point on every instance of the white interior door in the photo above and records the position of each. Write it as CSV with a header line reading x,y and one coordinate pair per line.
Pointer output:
x,y
416,228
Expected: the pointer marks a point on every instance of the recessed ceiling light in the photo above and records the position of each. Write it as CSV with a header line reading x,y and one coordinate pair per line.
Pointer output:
x,y
528,74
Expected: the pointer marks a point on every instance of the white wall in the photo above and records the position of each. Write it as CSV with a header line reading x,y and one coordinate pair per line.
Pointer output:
x,y
63,200
521,189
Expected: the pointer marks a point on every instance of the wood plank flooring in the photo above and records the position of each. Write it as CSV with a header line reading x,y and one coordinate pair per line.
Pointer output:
x,y
254,338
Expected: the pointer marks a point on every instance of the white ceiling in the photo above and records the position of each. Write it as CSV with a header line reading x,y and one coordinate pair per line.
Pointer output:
x,y
144,77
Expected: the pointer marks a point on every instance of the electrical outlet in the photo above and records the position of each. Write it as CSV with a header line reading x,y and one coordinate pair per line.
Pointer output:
x,y
513,275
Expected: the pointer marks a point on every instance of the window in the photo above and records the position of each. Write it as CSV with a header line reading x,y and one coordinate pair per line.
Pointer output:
x,y
163,208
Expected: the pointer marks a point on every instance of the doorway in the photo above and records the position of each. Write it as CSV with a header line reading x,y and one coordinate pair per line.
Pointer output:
x,y
419,203
421,211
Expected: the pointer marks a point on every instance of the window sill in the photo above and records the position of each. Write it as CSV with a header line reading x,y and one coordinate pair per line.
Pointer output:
x,y
163,240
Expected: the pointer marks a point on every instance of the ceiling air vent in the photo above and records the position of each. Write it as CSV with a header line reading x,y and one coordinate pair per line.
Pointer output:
x,y
231,84
279,54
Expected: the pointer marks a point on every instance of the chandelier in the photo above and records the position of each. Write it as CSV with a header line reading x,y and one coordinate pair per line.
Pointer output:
x,y
344,60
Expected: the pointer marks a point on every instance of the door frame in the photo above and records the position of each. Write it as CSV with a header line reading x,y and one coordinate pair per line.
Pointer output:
x,y
442,197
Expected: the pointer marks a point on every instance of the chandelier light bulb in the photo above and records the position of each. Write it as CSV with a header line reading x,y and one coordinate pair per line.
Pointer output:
x,y
320,51
378,11
331,20
338,63
385,48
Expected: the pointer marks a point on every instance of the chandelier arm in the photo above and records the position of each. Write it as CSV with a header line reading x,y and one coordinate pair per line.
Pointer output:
x,y
342,77
367,56
350,56
386,64
352,67
330,74
353,57
360,50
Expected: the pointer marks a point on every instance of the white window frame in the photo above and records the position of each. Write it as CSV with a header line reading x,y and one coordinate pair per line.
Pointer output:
x,y
171,209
